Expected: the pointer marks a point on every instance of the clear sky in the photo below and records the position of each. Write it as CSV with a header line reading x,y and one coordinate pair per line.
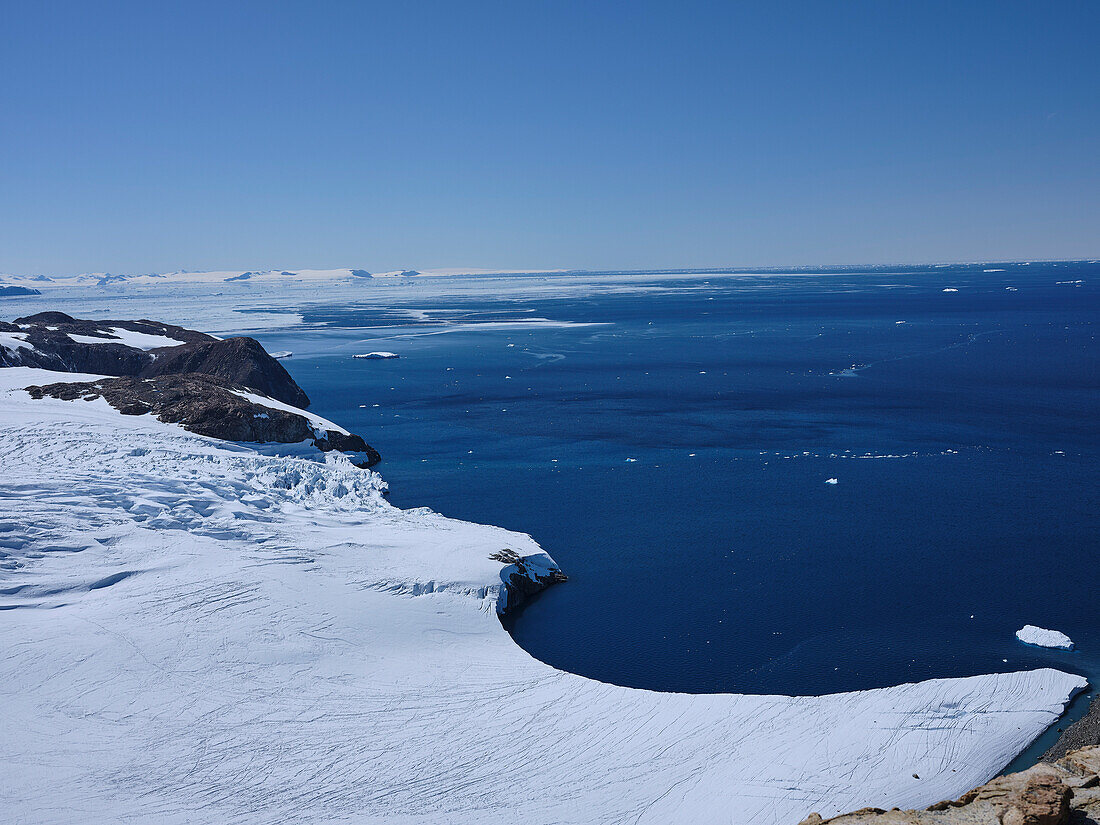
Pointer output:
x,y
152,136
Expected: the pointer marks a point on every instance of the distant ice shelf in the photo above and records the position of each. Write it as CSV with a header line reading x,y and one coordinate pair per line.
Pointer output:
x,y
1041,637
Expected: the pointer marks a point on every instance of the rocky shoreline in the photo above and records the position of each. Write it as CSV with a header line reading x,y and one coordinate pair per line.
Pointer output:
x,y
1085,732
524,577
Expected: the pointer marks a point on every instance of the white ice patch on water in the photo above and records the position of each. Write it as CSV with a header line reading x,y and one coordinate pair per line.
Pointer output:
x,y
1041,637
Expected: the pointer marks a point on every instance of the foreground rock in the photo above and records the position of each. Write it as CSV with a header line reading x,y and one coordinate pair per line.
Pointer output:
x,y
1065,792
56,341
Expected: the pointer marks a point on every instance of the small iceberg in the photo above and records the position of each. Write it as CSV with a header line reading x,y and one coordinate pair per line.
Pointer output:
x,y
283,353
831,481
376,355
1029,634
950,289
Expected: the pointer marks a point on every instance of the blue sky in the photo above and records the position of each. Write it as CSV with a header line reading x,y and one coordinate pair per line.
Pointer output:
x,y
155,136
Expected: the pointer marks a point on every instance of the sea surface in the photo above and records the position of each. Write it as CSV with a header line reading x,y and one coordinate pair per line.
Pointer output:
x,y
668,440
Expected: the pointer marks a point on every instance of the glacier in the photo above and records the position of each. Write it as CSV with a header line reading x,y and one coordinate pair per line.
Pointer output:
x,y
196,631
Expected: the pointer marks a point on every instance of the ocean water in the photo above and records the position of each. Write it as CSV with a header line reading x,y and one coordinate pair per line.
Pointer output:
x,y
668,440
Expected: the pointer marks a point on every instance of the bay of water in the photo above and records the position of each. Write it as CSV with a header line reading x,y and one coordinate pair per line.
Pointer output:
x,y
668,440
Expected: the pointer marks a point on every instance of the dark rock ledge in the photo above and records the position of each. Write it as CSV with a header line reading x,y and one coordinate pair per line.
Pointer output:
x,y
1082,733
205,405
524,576
194,384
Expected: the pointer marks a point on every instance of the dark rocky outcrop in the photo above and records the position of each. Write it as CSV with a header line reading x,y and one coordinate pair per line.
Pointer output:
x,y
1064,793
522,579
240,361
207,405
192,383
1085,732
12,291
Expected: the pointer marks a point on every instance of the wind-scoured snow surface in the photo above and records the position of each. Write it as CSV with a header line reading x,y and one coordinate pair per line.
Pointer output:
x,y
195,632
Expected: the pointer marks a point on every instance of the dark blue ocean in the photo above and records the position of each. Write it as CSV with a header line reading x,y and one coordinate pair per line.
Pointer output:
x,y
670,447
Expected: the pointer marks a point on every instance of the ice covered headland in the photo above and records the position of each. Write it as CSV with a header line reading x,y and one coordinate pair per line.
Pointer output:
x,y
196,631
1032,635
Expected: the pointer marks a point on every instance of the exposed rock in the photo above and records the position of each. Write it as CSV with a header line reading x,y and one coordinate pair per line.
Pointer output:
x,y
12,291
521,578
1065,792
207,405
240,361
1085,732
190,383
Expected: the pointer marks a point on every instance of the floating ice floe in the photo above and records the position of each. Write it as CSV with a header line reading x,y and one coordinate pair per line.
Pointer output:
x,y
376,355
831,481
950,289
283,353
1040,637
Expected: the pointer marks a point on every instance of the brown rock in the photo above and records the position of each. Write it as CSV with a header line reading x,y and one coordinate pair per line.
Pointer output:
x,y
208,406
1065,793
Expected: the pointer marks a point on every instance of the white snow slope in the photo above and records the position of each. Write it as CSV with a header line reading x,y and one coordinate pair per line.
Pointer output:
x,y
195,632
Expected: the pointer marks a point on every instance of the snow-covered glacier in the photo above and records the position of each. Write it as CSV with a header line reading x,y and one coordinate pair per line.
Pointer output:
x,y
194,631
